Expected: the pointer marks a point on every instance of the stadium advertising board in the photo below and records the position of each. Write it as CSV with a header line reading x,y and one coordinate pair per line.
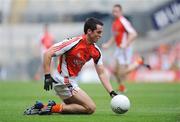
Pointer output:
x,y
166,14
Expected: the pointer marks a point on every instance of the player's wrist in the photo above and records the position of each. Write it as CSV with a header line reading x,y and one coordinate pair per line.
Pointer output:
x,y
47,76
113,93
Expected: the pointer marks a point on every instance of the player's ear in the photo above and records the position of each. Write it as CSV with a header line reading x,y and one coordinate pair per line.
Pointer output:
x,y
89,31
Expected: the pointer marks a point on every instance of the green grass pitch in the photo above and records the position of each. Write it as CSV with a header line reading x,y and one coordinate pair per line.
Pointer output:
x,y
150,102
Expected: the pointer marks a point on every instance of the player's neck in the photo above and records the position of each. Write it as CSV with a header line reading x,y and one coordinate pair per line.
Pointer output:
x,y
88,40
118,16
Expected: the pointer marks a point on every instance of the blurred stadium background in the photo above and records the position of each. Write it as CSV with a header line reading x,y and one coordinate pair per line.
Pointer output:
x,y
22,22
158,24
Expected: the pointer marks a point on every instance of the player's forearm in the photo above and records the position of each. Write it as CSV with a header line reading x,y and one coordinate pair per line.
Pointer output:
x,y
131,37
47,62
109,43
106,82
104,77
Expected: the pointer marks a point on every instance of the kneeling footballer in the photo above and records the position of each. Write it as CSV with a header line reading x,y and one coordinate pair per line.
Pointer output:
x,y
73,54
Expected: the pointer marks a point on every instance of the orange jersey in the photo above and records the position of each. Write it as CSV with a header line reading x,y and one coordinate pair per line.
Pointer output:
x,y
74,53
47,40
120,28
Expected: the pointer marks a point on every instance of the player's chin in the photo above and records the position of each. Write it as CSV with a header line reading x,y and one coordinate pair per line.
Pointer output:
x,y
95,41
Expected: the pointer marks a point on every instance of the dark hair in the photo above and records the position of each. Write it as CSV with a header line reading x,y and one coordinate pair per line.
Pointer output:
x,y
118,5
91,23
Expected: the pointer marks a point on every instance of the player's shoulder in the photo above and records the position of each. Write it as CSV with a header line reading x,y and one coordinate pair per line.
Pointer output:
x,y
69,41
97,48
97,55
73,39
124,19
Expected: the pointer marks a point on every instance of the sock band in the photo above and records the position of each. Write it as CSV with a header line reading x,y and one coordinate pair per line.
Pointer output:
x,y
57,108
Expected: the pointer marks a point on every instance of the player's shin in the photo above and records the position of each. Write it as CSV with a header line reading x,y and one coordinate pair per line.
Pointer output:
x,y
136,64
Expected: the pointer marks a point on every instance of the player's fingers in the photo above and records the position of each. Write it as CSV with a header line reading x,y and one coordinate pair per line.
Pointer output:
x,y
51,85
44,86
47,87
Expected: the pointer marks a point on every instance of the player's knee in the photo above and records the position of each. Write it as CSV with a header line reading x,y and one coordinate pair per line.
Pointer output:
x,y
118,73
115,72
91,108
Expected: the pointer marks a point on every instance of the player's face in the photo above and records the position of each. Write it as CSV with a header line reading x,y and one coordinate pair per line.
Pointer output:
x,y
96,34
116,12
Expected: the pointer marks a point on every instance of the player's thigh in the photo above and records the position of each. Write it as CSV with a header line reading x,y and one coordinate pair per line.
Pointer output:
x,y
116,68
80,97
129,55
120,68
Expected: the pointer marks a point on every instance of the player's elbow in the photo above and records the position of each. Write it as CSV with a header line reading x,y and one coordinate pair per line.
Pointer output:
x,y
135,35
132,36
48,54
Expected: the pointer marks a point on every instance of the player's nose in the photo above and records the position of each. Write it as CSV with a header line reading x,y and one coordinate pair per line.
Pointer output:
x,y
100,35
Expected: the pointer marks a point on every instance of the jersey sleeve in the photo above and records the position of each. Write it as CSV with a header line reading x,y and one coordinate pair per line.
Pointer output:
x,y
61,47
98,56
127,25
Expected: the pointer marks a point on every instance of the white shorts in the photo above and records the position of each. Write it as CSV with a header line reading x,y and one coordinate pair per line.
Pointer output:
x,y
124,56
61,88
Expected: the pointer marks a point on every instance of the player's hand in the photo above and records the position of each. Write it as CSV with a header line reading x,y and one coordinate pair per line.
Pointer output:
x,y
123,46
113,93
48,82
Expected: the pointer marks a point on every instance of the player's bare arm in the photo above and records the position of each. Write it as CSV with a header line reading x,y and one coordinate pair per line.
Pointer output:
x,y
48,81
47,61
105,79
47,58
131,37
108,43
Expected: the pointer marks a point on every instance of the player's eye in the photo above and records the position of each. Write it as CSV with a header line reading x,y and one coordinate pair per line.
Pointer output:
x,y
99,32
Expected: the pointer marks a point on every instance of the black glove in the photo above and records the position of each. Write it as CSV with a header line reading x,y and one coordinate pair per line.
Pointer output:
x,y
113,93
48,82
